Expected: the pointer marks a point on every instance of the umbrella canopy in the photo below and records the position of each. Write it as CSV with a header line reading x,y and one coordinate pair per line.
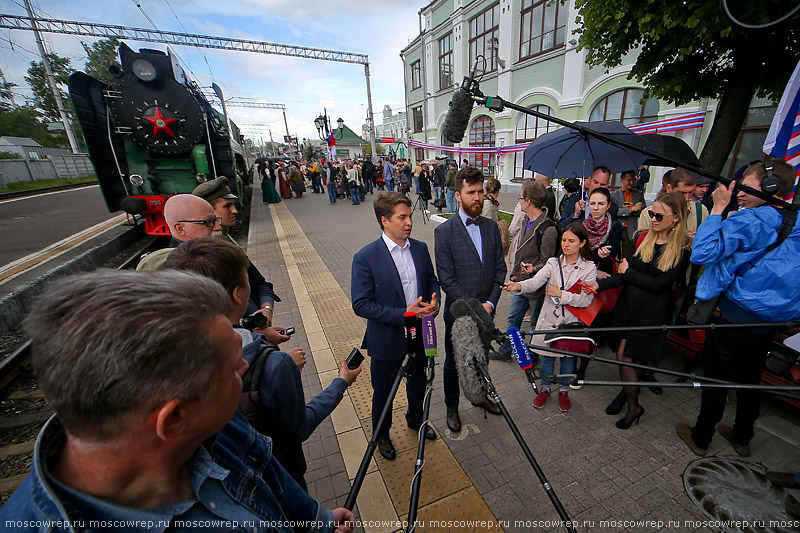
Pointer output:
x,y
568,153
671,147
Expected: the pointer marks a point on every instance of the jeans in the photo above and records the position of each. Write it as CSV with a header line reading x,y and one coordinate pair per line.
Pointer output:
x,y
451,201
331,192
355,195
390,184
519,305
549,364
416,183
315,183
369,183
437,193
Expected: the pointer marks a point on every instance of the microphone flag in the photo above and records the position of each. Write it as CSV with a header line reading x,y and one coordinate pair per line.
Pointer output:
x,y
521,353
429,335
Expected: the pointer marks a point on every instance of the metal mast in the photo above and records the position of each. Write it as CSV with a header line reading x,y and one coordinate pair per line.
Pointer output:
x,y
52,81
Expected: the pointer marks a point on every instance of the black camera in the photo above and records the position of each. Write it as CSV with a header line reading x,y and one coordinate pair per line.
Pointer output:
x,y
253,321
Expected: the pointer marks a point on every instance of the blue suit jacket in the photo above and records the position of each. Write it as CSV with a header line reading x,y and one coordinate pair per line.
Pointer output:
x,y
459,266
377,295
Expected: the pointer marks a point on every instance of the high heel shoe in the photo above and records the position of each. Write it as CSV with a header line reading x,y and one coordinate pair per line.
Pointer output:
x,y
624,423
615,407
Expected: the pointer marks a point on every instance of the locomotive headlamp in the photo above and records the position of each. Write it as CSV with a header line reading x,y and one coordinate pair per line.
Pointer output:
x,y
144,70
200,178
136,179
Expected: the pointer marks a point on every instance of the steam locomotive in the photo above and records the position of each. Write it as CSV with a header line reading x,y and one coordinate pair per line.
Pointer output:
x,y
153,134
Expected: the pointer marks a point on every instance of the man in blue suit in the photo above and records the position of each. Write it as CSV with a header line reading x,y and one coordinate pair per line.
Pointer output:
x,y
391,276
470,264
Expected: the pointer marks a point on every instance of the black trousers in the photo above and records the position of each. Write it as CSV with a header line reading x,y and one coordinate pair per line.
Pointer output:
x,y
383,374
733,355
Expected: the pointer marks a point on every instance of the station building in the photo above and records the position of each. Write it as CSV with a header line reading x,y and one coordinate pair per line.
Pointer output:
x,y
531,59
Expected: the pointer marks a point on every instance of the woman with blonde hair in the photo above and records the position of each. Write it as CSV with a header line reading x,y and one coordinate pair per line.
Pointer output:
x,y
659,263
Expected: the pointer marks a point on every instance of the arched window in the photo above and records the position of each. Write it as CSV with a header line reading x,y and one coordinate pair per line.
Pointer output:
x,y
528,128
481,134
625,105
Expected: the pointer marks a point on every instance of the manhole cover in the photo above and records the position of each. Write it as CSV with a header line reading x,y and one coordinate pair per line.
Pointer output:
x,y
737,496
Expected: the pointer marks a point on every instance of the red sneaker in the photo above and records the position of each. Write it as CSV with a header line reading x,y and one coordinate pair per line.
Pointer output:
x,y
542,397
563,401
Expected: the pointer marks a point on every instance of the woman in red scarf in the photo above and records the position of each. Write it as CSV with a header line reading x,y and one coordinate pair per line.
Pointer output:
x,y
605,235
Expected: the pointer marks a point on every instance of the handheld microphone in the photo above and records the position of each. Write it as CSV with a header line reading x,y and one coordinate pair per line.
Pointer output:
x,y
410,329
457,119
522,355
429,335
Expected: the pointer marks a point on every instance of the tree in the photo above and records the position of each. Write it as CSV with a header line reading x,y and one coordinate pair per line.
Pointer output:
x,y
42,93
101,55
26,122
367,149
689,51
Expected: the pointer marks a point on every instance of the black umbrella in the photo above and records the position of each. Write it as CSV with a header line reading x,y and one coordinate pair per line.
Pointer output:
x,y
671,147
261,160
569,153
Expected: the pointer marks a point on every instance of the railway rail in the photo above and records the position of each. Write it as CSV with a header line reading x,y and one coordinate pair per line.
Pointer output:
x,y
33,192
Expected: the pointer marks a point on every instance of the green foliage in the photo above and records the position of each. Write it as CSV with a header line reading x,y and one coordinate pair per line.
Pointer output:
x,y
100,55
9,155
42,93
366,149
26,122
688,50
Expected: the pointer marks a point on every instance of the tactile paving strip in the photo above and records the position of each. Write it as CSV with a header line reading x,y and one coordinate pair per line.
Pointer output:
x,y
464,511
446,493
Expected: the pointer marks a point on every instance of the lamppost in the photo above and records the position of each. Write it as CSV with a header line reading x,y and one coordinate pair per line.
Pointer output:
x,y
323,125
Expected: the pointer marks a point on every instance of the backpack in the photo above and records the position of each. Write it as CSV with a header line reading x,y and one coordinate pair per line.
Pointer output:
x,y
546,223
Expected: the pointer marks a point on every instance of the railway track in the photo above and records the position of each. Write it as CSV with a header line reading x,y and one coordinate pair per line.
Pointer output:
x,y
32,192
23,407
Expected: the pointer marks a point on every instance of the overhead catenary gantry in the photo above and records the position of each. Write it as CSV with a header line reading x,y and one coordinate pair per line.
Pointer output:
x,y
91,29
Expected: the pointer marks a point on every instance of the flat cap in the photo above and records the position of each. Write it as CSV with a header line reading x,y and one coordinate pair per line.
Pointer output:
x,y
702,180
211,190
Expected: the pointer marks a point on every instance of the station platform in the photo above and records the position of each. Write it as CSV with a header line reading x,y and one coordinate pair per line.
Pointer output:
x,y
478,479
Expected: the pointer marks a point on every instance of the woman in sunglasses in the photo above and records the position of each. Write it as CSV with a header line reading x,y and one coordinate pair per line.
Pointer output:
x,y
605,235
659,262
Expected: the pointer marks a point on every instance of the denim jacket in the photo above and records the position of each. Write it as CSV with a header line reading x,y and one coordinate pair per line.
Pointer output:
x,y
255,481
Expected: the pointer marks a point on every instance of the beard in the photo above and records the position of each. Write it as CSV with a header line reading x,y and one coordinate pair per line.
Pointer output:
x,y
472,210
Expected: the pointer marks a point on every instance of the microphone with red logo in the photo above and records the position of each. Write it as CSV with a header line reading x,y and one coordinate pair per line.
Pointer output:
x,y
410,329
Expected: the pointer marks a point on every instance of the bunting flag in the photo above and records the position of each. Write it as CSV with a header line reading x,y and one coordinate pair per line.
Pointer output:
x,y
682,122
783,138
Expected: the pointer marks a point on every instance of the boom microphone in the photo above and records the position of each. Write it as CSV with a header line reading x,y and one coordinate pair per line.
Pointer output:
x,y
410,329
429,335
473,309
457,119
467,350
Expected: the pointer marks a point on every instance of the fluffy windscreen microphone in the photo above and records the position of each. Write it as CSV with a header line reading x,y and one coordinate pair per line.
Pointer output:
x,y
473,309
468,347
457,119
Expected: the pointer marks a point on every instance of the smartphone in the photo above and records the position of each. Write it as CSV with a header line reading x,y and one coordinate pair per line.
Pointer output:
x,y
523,263
288,331
354,360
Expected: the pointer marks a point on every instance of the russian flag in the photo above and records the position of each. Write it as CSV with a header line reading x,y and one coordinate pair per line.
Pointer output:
x,y
331,140
783,138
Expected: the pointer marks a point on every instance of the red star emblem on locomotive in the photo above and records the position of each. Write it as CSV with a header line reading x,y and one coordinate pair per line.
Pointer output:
x,y
160,122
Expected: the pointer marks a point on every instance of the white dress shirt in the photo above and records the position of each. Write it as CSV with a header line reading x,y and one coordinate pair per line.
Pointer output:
x,y
474,233
404,264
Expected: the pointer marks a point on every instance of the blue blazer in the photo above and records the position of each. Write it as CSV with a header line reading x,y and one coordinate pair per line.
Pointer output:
x,y
461,272
377,295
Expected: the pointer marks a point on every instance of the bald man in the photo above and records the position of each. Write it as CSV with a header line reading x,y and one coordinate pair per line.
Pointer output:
x,y
188,217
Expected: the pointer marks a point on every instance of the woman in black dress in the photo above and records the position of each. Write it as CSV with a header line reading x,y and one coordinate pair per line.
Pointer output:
x,y
424,188
658,264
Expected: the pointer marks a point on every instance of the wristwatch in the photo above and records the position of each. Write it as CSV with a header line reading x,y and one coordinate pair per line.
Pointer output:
x,y
268,307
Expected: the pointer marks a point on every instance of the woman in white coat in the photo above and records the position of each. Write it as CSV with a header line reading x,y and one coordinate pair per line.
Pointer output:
x,y
561,273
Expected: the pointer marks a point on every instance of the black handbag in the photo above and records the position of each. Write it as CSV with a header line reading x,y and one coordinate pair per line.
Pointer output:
x,y
440,202
780,358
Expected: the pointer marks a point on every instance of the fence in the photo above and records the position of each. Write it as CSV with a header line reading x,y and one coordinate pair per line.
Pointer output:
x,y
55,166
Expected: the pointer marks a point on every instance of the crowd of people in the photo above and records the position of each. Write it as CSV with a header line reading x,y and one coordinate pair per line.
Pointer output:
x,y
175,404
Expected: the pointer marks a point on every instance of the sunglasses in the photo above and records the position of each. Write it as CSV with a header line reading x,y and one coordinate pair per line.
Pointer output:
x,y
209,222
658,217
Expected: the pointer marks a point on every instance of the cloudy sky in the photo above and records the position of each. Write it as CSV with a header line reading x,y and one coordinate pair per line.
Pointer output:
x,y
379,28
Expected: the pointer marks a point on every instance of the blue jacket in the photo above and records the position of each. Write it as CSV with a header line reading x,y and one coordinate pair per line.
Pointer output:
x,y
377,295
768,286
255,481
